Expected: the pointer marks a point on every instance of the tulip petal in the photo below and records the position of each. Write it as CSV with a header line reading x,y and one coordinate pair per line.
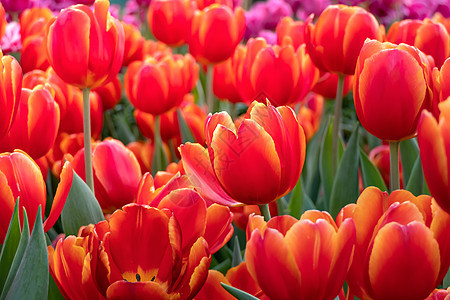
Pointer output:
x,y
219,228
212,288
136,290
240,278
440,227
7,203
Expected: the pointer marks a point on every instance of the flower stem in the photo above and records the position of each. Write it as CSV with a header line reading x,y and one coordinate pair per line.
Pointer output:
x,y
265,212
87,139
336,123
209,89
395,173
159,162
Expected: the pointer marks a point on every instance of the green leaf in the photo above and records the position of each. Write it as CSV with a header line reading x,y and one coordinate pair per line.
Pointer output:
x,y
409,151
53,291
186,134
346,184
24,239
81,207
123,132
31,280
237,255
325,162
296,200
416,182
10,245
370,174
239,294
159,161
446,282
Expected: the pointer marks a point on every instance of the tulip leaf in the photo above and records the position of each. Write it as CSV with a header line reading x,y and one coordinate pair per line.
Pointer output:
x,y
237,254
416,183
31,280
12,240
123,132
346,184
53,290
81,207
186,134
370,174
24,239
311,172
325,162
239,294
446,282
296,200
409,151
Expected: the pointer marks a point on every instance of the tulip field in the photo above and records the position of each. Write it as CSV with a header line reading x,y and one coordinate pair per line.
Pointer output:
x,y
225,149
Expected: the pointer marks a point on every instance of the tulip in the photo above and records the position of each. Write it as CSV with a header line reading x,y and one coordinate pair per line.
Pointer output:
x,y
441,80
291,32
278,73
439,294
300,259
144,154
134,43
124,256
388,102
155,49
395,234
2,21
116,173
216,31
202,4
20,177
65,144
110,93
170,20
36,124
430,37
85,48
10,87
310,115
327,83
256,163
433,141
379,156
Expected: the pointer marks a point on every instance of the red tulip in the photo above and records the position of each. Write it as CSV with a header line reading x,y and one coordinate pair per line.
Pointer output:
x,y
441,81
290,32
125,256
300,259
379,156
116,173
36,124
433,143
2,21
256,163
85,48
10,87
392,86
170,20
134,44
438,17
336,39
396,234
20,177
439,295
327,83
166,81
110,93
216,31
65,144
202,4
310,114
430,37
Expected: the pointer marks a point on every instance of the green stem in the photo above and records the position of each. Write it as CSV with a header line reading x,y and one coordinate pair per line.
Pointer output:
x,y
395,173
159,162
209,89
110,124
87,139
336,124
265,212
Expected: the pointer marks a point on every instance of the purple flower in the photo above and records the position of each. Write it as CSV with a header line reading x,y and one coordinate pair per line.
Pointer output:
x,y
418,9
304,8
269,36
276,10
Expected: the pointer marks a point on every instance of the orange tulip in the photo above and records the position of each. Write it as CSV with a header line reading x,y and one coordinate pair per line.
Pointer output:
x,y
433,143
110,93
155,49
216,31
401,245
241,213
278,73
163,177
336,39
85,48
379,156
430,37
327,83
2,21
125,256
202,4
170,20
116,173
290,32
441,81
134,44
10,87
225,83
156,86
65,144
144,154
439,295
300,259
36,124
20,177
256,163
310,114
438,17
392,86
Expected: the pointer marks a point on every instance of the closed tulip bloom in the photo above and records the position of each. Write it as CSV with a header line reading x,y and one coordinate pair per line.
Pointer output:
x,y
439,294
124,256
327,83
134,44
170,20
392,86
433,138
216,31
310,114
379,156
335,40
33,21
256,163
396,234
301,259
441,81
2,21
156,86
110,93
144,154
10,90
85,48
36,124
20,177
430,37
291,31
278,73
